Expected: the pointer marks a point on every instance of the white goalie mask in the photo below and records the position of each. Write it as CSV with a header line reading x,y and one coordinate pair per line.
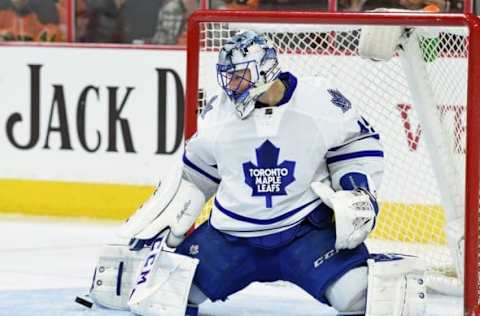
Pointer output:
x,y
247,66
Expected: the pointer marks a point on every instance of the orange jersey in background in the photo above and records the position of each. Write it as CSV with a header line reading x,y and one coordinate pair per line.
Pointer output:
x,y
432,8
14,27
246,5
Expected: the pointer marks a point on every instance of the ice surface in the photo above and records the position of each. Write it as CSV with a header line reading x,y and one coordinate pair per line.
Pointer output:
x,y
46,263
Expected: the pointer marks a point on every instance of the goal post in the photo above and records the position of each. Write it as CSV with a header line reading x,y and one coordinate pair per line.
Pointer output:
x,y
425,103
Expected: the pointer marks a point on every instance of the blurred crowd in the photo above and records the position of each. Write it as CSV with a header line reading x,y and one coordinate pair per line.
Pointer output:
x,y
156,21
31,20
132,21
342,5
454,6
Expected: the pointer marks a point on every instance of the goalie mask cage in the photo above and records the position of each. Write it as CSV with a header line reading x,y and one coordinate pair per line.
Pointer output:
x,y
418,101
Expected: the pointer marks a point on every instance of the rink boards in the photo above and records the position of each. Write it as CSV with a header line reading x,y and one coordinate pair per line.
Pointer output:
x,y
105,133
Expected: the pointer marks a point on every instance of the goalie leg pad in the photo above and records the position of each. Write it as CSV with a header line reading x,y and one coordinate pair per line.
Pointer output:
x,y
455,233
396,287
196,296
163,283
348,295
115,275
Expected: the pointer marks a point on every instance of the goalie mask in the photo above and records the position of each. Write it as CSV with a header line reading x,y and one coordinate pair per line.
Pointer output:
x,y
247,66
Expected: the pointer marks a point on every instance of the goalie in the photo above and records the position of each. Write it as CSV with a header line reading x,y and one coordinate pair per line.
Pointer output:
x,y
293,169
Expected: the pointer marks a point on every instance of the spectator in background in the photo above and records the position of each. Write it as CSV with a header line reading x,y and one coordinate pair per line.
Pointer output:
x,y
134,22
62,10
104,21
426,5
367,5
153,21
280,5
301,5
190,7
29,20
234,4
170,23
455,6
81,20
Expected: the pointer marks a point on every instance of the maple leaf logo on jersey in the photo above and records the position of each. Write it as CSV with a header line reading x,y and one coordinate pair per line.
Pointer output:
x,y
268,178
338,99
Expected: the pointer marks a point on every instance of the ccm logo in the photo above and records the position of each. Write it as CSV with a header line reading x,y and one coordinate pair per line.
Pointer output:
x,y
149,262
325,257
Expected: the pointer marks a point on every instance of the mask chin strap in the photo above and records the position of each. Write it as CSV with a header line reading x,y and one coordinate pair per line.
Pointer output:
x,y
246,107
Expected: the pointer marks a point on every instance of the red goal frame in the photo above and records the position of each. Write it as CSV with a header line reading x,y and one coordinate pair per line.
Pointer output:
x,y
472,268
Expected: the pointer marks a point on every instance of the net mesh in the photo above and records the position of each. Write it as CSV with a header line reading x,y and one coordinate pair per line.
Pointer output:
x,y
413,211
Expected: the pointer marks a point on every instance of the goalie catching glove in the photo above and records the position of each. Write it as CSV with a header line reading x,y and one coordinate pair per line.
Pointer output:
x,y
355,213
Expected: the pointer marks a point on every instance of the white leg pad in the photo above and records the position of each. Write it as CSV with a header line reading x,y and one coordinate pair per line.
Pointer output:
x,y
348,294
163,284
196,296
396,288
455,232
115,275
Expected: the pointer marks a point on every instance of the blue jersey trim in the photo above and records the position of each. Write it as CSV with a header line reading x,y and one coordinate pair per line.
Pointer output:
x,y
375,136
290,82
262,221
354,155
187,162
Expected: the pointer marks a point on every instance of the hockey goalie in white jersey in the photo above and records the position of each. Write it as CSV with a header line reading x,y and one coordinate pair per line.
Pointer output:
x,y
293,171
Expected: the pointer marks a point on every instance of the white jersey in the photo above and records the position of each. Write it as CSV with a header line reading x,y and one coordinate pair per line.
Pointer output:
x,y
260,168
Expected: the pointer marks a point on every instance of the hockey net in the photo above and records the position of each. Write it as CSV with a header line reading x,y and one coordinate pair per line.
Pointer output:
x,y
417,101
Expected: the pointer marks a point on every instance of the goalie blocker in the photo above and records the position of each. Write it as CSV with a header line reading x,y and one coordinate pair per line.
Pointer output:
x,y
136,271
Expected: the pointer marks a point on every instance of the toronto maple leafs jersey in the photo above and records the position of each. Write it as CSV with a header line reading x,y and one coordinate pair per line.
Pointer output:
x,y
259,169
